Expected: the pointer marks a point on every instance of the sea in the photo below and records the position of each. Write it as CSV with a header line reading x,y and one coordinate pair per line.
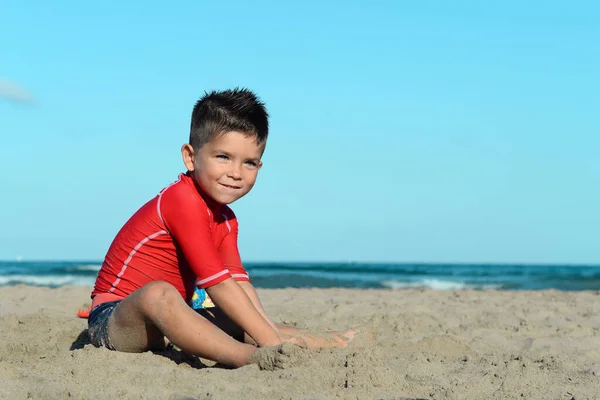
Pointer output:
x,y
344,275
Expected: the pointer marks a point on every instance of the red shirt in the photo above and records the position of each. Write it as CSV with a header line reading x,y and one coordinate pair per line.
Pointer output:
x,y
181,237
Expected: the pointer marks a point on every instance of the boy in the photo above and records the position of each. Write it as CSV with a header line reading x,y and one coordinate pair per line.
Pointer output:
x,y
186,237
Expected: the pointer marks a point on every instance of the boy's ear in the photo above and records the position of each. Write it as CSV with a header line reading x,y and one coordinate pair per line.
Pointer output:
x,y
188,154
259,164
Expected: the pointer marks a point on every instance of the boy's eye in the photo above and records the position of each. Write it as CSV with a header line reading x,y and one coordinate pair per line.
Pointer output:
x,y
223,157
251,163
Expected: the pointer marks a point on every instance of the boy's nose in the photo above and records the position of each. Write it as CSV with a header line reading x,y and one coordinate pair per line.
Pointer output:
x,y
235,172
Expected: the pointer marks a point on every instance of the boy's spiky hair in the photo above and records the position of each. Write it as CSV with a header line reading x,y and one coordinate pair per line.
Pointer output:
x,y
219,112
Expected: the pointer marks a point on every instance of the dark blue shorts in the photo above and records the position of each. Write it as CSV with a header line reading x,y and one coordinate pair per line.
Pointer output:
x,y
98,324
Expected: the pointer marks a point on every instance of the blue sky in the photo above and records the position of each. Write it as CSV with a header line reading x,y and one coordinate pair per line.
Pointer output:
x,y
461,131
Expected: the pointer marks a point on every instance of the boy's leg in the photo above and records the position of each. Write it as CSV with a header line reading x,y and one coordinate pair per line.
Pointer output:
x,y
286,333
141,320
217,317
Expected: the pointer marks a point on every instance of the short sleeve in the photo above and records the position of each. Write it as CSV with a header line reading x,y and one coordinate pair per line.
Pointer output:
x,y
188,221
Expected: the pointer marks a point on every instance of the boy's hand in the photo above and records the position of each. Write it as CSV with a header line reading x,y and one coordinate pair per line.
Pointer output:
x,y
235,303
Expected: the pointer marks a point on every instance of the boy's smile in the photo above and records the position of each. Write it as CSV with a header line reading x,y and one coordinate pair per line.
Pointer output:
x,y
226,167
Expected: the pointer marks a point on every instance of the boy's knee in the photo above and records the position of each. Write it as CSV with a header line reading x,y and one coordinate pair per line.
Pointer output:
x,y
159,293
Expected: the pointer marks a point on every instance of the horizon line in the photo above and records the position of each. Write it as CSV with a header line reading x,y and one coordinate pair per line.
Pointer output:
x,y
441,263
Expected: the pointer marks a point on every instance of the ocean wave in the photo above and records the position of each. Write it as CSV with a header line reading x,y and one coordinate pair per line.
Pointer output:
x,y
341,275
46,280
436,284
88,267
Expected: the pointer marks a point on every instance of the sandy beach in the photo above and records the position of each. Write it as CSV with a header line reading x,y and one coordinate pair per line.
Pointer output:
x,y
429,345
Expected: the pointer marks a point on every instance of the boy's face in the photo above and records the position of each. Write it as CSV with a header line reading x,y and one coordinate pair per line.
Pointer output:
x,y
226,167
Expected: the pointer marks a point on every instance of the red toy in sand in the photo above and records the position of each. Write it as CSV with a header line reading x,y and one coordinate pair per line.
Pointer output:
x,y
84,312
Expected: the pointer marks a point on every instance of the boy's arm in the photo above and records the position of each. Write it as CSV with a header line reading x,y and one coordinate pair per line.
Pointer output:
x,y
251,293
232,260
237,305
189,224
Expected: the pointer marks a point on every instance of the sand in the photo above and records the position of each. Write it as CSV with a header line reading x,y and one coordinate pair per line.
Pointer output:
x,y
429,345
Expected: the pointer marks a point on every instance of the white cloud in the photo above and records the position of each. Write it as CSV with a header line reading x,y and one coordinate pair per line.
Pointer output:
x,y
14,92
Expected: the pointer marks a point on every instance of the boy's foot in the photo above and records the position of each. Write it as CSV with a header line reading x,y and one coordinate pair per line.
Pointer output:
x,y
358,338
331,339
344,339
